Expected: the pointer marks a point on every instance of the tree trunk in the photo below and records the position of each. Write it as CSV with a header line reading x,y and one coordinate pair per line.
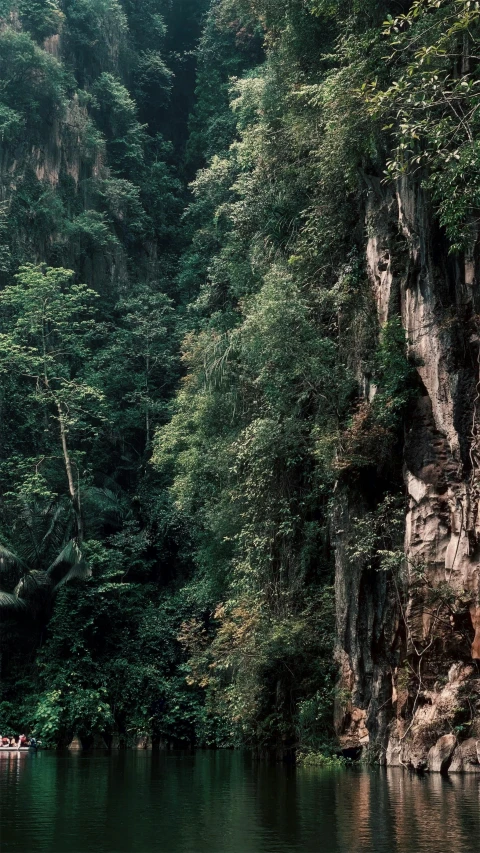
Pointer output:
x,y
74,494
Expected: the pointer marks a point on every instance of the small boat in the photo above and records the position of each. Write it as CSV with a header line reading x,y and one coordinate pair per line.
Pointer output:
x,y
18,749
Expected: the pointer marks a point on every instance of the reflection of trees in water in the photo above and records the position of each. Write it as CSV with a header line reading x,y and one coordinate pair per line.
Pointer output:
x,y
28,794
224,802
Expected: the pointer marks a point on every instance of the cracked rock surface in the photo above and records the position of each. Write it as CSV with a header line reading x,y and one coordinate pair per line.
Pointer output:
x,y
409,650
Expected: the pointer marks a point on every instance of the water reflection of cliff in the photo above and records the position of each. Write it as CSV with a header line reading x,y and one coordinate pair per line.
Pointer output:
x,y
223,802
399,812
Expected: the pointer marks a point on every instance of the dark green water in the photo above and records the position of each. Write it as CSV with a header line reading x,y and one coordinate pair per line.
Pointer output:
x,y
227,803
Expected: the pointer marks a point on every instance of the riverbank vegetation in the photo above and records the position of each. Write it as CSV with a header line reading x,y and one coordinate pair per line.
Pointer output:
x,y
185,318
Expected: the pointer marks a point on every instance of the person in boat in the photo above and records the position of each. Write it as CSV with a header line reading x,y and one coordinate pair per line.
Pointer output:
x,y
5,741
23,740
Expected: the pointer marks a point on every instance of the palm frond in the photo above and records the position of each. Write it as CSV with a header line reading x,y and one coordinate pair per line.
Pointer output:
x,y
55,523
9,558
69,565
80,571
70,554
33,583
11,567
104,506
10,601
48,526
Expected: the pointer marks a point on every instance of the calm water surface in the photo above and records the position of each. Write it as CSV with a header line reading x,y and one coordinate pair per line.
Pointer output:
x,y
227,803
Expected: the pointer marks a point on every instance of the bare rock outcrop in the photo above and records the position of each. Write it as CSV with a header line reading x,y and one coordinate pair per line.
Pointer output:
x,y
409,646
440,755
466,758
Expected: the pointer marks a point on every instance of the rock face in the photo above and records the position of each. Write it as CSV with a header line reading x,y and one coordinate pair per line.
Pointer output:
x,y
409,646
440,755
61,159
466,758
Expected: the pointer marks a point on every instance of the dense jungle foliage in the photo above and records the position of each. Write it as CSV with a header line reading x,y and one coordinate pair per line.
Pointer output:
x,y
186,330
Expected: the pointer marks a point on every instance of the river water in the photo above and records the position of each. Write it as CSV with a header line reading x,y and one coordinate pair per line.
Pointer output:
x,y
224,802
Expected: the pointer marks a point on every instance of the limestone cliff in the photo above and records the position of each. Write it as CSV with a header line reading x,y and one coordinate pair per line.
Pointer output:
x,y
409,646
55,202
